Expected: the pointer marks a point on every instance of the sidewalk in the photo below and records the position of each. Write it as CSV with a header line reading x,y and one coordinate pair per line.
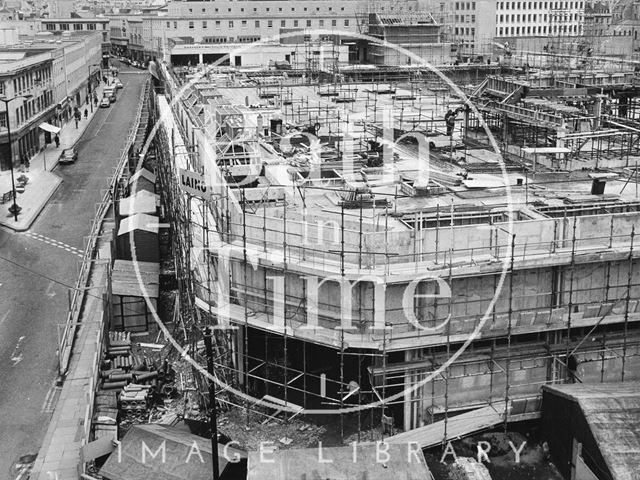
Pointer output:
x,y
59,457
42,183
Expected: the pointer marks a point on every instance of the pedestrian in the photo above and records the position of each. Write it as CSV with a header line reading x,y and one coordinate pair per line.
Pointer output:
x,y
86,113
57,140
95,101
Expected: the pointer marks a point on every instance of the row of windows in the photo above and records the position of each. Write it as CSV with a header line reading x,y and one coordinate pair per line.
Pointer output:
x,y
465,5
214,39
516,18
541,5
76,26
537,30
34,106
29,79
465,31
268,9
245,39
465,19
244,23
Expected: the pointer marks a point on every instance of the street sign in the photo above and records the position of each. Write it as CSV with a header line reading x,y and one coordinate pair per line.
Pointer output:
x,y
194,184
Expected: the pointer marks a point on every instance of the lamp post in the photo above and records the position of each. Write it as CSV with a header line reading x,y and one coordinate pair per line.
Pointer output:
x,y
89,84
15,209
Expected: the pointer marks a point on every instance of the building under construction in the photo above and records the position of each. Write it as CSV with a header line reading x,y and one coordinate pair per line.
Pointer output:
x,y
395,243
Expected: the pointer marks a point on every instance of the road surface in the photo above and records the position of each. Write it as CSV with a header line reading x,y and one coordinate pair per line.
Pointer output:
x,y
36,269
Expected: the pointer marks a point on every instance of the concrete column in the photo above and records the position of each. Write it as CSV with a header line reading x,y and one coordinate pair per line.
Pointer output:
x,y
561,133
597,112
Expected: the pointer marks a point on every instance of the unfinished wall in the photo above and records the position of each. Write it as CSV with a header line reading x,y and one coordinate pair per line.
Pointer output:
x,y
480,377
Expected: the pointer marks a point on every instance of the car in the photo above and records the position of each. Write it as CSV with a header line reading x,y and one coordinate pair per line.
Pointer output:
x,y
118,84
68,155
105,103
112,97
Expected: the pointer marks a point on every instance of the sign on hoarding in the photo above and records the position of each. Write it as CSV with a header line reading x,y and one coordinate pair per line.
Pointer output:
x,y
194,184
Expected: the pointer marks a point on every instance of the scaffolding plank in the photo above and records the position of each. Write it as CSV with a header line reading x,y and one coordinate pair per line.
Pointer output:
x,y
456,427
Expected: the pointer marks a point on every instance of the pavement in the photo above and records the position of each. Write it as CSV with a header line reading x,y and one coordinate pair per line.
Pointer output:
x,y
38,268
42,182
59,457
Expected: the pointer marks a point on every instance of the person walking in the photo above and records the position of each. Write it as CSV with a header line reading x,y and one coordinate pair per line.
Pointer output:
x,y
57,140
86,113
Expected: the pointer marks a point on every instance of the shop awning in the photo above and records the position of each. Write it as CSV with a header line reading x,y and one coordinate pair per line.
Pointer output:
x,y
47,127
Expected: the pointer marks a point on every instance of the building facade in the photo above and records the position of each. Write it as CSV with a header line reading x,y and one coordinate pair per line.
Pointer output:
x,y
58,25
28,80
55,76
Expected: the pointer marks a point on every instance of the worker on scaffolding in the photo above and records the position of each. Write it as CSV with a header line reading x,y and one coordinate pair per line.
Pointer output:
x,y
450,120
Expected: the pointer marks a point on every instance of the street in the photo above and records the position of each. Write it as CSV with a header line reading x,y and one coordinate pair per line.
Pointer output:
x,y
37,268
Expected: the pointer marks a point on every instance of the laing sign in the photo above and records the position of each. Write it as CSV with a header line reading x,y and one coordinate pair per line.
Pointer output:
x,y
193,184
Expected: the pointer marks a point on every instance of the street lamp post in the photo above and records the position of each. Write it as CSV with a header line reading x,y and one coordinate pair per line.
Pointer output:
x,y
15,209
89,85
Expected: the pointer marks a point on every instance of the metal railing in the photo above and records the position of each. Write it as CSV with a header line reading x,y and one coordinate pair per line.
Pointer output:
x,y
76,299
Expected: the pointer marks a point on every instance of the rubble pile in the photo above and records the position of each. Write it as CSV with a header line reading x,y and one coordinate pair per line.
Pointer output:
x,y
137,383
250,430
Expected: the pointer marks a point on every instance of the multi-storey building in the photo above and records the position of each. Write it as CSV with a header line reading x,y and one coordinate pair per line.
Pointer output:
x,y
424,299
80,25
474,25
597,19
29,73
246,22
56,76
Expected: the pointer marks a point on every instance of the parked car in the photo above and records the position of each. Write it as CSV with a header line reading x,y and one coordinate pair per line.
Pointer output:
x,y
118,84
105,103
112,97
69,155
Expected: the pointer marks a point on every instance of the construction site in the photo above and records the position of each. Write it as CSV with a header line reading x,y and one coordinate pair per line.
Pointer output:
x,y
409,254
511,226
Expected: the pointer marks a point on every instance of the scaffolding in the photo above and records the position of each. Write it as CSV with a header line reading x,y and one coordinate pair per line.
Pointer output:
x,y
377,226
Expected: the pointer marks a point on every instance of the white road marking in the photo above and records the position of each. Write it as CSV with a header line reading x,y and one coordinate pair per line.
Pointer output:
x,y
4,317
50,292
55,243
23,471
16,356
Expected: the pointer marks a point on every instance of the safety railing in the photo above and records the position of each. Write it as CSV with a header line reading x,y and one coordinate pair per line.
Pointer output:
x,y
76,298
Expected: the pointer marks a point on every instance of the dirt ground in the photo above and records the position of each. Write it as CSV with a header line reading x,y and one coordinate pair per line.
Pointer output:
x,y
250,430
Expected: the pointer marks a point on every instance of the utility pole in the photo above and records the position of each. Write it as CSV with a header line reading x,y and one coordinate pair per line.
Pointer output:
x,y
213,420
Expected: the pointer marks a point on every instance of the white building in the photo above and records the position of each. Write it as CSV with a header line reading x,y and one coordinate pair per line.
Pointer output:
x,y
525,18
474,25
245,22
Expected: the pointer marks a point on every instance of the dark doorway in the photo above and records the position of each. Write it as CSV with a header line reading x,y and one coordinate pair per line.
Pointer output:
x,y
209,58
